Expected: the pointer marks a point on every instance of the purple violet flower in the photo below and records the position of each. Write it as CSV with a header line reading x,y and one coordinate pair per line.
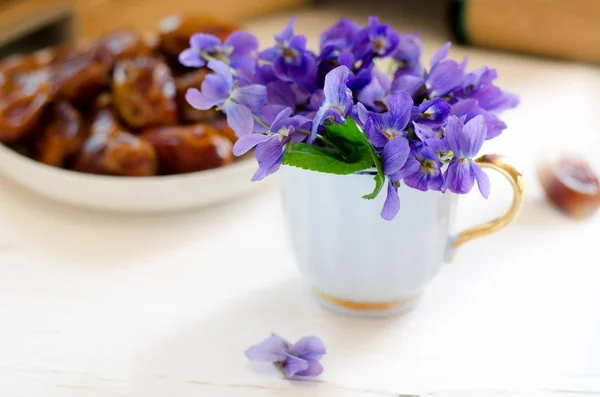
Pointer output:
x,y
406,83
383,127
393,158
361,77
375,40
476,79
495,100
440,55
265,74
478,85
238,51
300,360
408,55
445,75
469,108
423,170
465,140
271,145
374,95
338,100
291,61
238,103
314,103
386,131
336,42
434,138
281,93
433,112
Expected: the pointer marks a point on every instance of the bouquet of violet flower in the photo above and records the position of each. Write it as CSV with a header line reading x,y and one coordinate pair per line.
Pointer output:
x,y
335,112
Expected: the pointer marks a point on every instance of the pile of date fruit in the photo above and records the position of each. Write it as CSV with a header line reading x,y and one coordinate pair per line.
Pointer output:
x,y
115,105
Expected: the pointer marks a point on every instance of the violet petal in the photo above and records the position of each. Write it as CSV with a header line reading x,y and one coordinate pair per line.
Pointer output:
x,y
292,365
239,118
392,202
309,348
199,101
395,153
482,180
247,142
314,369
273,349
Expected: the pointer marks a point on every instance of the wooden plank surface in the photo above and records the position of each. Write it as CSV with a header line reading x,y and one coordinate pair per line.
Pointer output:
x,y
567,29
94,17
98,16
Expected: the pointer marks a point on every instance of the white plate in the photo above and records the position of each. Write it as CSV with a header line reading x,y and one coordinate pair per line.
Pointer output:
x,y
130,194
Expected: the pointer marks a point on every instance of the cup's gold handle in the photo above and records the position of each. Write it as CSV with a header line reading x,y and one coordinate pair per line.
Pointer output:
x,y
503,165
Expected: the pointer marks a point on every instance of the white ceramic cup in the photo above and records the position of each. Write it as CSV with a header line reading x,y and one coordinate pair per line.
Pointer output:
x,y
357,262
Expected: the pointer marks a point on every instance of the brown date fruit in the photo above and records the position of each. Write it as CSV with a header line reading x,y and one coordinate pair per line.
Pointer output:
x,y
24,93
20,114
104,120
110,150
103,101
60,53
124,43
11,68
23,74
120,153
144,92
175,32
62,137
192,148
187,113
570,185
18,63
79,78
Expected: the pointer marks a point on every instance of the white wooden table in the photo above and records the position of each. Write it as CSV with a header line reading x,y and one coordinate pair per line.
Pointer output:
x,y
95,304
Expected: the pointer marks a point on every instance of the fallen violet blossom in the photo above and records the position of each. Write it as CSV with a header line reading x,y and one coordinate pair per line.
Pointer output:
x,y
298,360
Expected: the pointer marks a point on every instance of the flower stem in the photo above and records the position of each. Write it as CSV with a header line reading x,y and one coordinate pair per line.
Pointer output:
x,y
209,57
259,121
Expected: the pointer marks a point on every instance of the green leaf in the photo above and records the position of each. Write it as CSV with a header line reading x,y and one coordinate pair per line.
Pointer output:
x,y
348,136
353,152
349,140
314,158
379,177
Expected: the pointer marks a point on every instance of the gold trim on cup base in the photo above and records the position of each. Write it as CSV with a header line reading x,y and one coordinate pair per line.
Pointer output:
x,y
367,306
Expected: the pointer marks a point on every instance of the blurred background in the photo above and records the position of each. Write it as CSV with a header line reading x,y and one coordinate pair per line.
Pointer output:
x,y
560,28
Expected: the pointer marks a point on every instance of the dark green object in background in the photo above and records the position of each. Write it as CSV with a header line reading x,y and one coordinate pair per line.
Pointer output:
x,y
457,16
26,27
